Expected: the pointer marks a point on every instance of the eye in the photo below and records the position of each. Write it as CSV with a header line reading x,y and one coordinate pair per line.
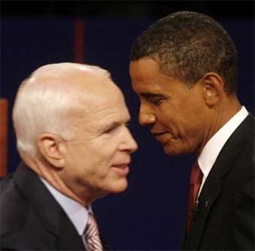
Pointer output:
x,y
156,101
110,129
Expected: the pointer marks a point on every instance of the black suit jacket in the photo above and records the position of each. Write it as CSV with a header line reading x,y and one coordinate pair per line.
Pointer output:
x,y
31,219
224,219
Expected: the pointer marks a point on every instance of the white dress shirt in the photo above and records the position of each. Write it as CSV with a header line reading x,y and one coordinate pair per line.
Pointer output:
x,y
77,213
213,147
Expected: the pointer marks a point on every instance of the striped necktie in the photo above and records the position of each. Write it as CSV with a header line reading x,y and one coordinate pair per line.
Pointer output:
x,y
92,235
195,183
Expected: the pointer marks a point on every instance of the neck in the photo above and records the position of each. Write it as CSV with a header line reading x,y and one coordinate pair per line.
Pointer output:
x,y
51,175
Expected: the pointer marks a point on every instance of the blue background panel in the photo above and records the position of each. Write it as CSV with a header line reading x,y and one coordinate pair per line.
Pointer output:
x,y
149,215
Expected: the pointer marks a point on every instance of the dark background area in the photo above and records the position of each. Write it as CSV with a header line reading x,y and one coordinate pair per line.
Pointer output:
x,y
150,214
157,9
126,8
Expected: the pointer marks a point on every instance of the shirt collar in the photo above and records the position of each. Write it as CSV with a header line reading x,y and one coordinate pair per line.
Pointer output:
x,y
77,213
213,147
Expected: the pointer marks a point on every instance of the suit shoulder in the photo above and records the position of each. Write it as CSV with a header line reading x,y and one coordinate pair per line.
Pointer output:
x,y
12,205
21,227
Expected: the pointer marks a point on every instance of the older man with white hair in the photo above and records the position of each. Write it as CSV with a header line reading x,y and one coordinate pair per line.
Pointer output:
x,y
71,127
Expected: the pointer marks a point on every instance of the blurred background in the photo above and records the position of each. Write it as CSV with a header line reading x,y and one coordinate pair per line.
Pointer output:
x,y
156,9
150,214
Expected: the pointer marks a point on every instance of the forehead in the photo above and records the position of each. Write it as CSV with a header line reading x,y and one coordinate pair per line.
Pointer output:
x,y
146,77
107,103
148,81
102,102
144,68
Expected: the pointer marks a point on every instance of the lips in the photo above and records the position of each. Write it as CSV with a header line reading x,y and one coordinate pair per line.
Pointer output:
x,y
122,166
165,137
122,169
157,134
160,136
122,163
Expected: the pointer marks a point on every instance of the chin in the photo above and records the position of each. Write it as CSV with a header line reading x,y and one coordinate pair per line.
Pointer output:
x,y
172,152
120,187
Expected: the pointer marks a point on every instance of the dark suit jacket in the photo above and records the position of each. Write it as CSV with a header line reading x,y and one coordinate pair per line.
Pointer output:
x,y
31,219
224,219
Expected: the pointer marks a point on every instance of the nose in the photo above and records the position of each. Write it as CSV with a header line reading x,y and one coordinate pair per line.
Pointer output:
x,y
130,143
146,116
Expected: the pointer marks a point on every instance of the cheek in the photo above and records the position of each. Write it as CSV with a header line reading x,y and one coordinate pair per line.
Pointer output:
x,y
94,158
100,155
79,158
178,123
169,117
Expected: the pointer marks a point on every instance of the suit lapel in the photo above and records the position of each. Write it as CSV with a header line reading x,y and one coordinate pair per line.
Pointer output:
x,y
68,239
48,210
212,186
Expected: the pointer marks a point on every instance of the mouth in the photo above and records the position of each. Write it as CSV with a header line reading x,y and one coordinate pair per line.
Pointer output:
x,y
122,168
164,137
158,135
155,133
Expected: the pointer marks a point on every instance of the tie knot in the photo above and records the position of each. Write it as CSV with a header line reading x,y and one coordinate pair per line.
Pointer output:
x,y
196,174
91,229
92,234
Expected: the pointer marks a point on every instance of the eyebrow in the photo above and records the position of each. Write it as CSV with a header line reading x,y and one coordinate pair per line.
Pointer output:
x,y
152,95
109,125
114,124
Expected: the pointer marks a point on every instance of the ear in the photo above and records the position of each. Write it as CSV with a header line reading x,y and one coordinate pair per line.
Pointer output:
x,y
52,148
213,88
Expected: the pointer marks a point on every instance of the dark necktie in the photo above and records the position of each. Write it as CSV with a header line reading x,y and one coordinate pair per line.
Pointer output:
x,y
195,182
92,235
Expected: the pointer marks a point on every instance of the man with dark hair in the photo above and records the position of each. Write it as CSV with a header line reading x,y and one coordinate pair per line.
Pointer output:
x,y
184,70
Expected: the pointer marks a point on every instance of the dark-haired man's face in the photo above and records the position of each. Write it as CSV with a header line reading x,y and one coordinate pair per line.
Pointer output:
x,y
177,114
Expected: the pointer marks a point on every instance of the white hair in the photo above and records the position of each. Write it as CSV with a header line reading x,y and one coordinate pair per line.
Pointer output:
x,y
43,104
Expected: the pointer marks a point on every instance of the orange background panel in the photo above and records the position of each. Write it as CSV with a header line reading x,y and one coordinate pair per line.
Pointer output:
x,y
3,136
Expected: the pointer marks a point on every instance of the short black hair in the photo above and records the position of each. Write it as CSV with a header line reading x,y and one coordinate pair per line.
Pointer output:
x,y
187,45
